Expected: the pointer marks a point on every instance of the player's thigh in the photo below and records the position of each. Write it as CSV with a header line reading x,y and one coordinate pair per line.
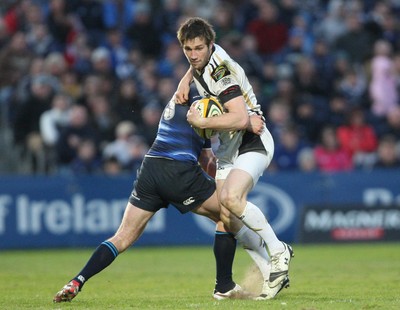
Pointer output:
x,y
132,225
210,208
253,163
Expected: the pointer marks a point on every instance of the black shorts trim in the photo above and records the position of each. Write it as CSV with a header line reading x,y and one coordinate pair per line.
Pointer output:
x,y
251,143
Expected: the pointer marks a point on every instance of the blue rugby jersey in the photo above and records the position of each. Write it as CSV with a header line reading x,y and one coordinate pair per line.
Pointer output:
x,y
175,138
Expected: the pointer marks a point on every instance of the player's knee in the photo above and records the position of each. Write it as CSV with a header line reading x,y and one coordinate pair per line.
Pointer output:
x,y
229,200
123,242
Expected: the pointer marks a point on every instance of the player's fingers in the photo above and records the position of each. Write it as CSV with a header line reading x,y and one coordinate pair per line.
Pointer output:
x,y
179,98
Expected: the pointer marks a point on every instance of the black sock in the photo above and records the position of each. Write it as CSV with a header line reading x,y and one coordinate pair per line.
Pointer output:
x,y
103,256
224,252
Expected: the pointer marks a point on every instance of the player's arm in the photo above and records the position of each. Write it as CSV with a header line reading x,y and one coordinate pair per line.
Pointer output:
x,y
256,124
181,95
207,159
235,118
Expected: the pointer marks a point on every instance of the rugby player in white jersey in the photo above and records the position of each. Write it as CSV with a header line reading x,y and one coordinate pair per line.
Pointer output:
x,y
242,155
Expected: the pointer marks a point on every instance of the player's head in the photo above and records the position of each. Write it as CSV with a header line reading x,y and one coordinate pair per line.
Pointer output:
x,y
196,37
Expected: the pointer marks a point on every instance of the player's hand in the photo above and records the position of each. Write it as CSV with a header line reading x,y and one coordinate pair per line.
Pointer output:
x,y
256,124
194,118
181,95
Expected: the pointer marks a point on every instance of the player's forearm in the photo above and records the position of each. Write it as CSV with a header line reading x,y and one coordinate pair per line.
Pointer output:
x,y
182,93
226,122
188,77
235,118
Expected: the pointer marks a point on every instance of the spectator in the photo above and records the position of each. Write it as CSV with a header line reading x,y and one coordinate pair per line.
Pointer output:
x,y
78,54
151,114
15,60
143,34
224,20
287,149
116,45
70,84
129,104
121,147
357,138
171,58
55,119
329,155
278,117
87,160
324,63
118,14
167,19
112,167
306,160
90,15
305,78
310,114
332,25
102,63
27,119
77,130
383,88
353,87
23,88
28,112
40,40
270,33
338,107
387,154
92,86
102,118
393,122
60,23
356,41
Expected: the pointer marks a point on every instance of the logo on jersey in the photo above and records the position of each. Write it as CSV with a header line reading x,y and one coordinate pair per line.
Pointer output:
x,y
189,201
169,111
220,72
226,81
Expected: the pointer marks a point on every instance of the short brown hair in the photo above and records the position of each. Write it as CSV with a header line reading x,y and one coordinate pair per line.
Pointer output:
x,y
195,27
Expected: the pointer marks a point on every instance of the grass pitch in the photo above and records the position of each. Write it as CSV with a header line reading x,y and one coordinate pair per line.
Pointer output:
x,y
352,276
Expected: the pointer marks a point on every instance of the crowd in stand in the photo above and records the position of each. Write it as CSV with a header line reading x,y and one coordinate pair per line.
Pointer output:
x,y
83,82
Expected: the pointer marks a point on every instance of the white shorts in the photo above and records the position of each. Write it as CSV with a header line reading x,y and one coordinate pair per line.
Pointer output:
x,y
254,163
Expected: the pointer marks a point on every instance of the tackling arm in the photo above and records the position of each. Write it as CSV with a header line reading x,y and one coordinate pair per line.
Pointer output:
x,y
181,95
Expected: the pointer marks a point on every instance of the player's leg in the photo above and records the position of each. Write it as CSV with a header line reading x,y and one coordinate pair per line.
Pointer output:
x,y
248,239
233,188
224,249
132,225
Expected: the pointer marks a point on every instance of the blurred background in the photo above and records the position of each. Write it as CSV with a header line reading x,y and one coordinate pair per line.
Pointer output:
x,y
83,84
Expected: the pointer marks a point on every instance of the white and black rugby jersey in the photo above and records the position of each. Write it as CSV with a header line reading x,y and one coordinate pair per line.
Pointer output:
x,y
224,78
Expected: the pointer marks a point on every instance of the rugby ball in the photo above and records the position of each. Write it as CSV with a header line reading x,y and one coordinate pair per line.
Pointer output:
x,y
207,107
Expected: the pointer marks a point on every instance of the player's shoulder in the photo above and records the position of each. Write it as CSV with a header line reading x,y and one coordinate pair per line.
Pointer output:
x,y
219,56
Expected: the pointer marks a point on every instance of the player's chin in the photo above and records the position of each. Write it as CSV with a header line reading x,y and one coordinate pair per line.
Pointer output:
x,y
196,65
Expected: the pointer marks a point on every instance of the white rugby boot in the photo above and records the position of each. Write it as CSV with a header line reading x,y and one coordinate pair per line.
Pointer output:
x,y
280,266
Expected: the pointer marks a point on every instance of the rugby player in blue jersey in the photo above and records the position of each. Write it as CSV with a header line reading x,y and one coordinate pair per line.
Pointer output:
x,y
170,174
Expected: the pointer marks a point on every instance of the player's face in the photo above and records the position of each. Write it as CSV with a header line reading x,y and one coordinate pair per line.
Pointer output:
x,y
197,52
